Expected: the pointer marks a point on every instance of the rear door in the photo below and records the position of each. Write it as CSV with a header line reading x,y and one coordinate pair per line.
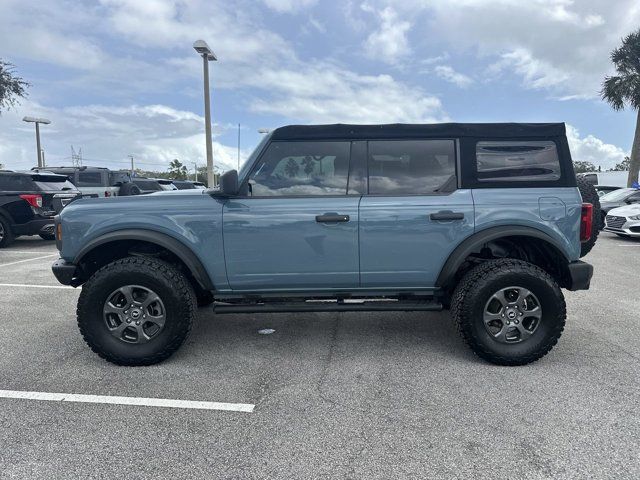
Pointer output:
x,y
298,227
414,214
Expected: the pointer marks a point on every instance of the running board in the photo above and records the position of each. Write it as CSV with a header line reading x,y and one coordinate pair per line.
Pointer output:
x,y
327,307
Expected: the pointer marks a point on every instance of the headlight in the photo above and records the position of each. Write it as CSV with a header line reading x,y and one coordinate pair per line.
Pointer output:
x,y
635,217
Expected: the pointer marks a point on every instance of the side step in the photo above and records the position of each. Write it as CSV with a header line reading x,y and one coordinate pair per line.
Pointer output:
x,y
324,306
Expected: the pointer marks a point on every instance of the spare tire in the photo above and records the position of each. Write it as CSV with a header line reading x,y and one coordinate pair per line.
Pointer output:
x,y
590,195
129,188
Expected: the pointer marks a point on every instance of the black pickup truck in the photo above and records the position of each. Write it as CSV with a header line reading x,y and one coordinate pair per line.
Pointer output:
x,y
29,201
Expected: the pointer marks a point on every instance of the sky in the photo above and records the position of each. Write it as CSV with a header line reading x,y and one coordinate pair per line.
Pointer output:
x,y
120,77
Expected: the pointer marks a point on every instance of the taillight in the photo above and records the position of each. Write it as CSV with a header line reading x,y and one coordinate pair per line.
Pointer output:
x,y
586,222
33,200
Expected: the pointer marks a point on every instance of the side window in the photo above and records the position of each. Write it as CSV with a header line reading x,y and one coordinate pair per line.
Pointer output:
x,y
16,183
514,160
89,179
302,168
411,167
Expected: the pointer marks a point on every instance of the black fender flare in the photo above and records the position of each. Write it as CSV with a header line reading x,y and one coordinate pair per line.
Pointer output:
x,y
163,240
470,244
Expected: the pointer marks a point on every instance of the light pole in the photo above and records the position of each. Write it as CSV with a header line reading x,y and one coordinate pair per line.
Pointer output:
x,y
38,121
207,54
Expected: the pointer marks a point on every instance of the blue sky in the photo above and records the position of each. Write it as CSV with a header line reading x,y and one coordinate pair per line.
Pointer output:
x,y
120,77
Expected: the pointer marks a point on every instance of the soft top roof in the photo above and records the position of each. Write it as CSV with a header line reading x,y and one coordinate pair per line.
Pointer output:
x,y
402,130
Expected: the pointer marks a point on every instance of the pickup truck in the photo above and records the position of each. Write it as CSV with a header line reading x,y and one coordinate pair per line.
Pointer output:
x,y
486,220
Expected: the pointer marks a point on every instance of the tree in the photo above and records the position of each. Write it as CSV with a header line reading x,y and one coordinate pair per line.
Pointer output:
x,y
11,86
624,88
177,170
582,166
622,166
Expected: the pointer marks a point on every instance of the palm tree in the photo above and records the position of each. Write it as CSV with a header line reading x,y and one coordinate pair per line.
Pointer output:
x,y
624,88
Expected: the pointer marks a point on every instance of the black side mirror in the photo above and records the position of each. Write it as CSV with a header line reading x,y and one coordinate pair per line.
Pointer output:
x,y
229,183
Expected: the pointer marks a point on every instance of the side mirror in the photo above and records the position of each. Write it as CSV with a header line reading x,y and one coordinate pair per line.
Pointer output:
x,y
229,183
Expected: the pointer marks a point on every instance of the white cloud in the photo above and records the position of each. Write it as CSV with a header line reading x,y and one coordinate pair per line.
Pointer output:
x,y
389,43
450,75
594,150
289,6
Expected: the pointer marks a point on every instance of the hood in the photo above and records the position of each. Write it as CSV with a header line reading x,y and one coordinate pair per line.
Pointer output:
x,y
626,211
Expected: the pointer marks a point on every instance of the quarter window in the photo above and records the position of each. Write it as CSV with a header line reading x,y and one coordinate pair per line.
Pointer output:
x,y
302,168
411,167
521,161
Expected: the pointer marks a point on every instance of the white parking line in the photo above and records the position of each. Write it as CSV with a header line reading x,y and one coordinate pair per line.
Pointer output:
x,y
137,401
24,285
628,244
28,260
27,251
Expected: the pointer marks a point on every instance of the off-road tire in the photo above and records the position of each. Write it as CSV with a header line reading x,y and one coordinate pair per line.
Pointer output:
x,y
590,195
171,286
47,236
7,234
480,283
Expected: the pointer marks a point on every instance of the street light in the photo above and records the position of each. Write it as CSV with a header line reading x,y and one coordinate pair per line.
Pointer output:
x,y
38,121
207,54
264,131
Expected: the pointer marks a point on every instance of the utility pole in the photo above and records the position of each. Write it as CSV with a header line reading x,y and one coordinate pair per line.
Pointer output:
x,y
44,164
238,147
195,170
207,54
132,171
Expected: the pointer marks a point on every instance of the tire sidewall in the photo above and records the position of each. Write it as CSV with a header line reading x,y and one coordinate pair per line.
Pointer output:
x,y
549,296
93,326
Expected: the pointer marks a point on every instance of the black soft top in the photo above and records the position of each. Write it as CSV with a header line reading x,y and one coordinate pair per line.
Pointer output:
x,y
405,130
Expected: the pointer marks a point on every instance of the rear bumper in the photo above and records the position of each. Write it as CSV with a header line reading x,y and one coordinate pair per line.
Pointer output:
x,y
34,227
65,272
580,274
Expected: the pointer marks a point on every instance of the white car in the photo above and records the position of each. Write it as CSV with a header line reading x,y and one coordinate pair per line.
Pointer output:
x,y
624,221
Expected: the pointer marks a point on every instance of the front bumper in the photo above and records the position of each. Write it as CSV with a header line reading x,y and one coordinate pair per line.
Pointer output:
x,y
622,226
580,274
66,272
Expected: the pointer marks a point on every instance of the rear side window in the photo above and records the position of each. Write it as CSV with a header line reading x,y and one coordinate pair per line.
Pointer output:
x,y
302,168
146,184
411,167
53,185
517,161
90,179
15,183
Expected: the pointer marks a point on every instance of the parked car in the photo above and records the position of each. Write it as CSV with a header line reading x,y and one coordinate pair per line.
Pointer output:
x,y
29,201
624,221
184,184
487,219
199,185
96,181
166,184
604,189
618,179
619,198
147,185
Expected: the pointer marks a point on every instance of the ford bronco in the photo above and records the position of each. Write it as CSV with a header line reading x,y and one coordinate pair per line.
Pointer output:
x,y
486,220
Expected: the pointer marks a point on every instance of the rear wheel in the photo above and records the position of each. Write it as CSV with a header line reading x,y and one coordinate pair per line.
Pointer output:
x,y
590,195
136,311
508,311
6,235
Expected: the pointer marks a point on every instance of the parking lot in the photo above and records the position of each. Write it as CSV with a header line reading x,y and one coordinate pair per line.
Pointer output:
x,y
353,395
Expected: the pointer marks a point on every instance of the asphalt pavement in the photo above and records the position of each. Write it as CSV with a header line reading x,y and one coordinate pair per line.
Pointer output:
x,y
336,395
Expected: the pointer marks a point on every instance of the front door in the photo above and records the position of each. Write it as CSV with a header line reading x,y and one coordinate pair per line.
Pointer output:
x,y
297,229
414,215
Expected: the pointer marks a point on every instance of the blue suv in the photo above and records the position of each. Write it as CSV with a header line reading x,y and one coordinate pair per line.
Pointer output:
x,y
484,219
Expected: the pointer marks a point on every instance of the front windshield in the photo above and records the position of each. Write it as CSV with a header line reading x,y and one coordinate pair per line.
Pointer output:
x,y
617,195
252,158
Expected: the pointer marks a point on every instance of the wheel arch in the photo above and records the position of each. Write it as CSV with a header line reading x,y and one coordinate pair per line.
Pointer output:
x,y
478,240
131,237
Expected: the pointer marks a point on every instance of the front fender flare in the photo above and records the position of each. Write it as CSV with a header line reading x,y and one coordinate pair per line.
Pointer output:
x,y
163,240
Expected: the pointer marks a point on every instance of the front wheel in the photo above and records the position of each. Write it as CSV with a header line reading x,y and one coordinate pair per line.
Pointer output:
x,y
509,312
136,311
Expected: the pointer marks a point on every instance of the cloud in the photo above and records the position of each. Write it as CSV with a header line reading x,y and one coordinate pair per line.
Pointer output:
x,y
594,150
450,75
389,43
289,6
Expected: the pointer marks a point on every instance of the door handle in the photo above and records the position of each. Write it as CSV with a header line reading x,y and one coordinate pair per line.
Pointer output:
x,y
446,215
332,218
